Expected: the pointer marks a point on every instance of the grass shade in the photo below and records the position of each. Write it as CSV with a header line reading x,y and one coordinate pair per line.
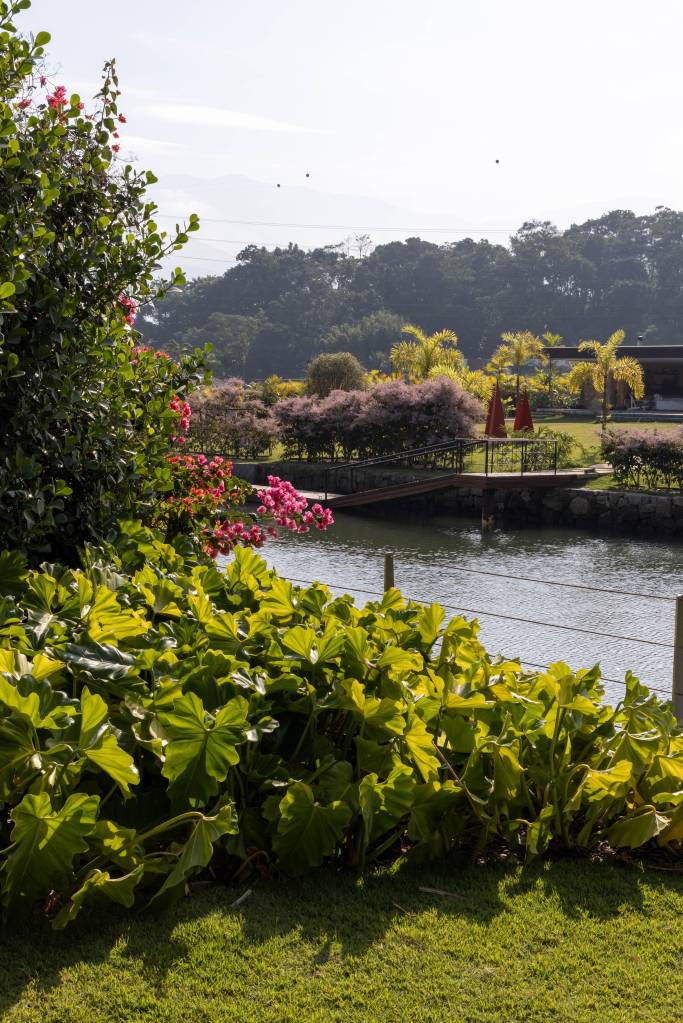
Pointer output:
x,y
570,941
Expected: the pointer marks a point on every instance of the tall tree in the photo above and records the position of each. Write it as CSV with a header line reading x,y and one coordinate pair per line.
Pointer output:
x,y
607,365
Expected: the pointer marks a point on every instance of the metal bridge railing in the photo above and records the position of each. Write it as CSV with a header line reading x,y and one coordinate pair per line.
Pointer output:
x,y
462,455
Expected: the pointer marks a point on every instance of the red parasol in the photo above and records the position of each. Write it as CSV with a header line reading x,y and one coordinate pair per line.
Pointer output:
x,y
495,420
523,418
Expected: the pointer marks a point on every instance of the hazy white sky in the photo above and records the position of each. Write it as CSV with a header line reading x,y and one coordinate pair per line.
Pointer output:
x,y
408,102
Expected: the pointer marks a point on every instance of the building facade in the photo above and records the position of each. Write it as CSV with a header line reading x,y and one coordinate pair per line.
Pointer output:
x,y
662,370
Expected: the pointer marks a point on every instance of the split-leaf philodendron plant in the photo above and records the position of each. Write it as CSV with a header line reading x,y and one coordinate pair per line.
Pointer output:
x,y
159,715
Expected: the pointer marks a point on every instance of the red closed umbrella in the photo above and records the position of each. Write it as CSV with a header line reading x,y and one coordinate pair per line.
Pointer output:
x,y
495,420
523,417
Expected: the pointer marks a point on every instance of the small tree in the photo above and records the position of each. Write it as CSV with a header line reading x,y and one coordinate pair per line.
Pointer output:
x,y
519,348
336,371
605,367
419,359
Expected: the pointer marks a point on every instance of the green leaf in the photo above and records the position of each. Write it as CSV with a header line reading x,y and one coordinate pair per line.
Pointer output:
x,y
100,886
100,659
198,849
42,39
539,833
429,623
307,832
421,748
44,844
638,828
26,706
507,772
384,804
398,659
13,572
98,743
201,749
7,289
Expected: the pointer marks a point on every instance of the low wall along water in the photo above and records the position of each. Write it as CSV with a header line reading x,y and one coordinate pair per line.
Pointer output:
x,y
619,510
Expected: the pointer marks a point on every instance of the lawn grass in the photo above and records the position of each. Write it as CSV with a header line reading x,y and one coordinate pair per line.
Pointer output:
x,y
569,942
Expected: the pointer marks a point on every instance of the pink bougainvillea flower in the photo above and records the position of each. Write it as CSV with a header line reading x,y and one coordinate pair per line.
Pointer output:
x,y
58,98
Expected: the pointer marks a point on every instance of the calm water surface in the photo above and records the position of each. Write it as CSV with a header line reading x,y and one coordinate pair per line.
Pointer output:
x,y
430,559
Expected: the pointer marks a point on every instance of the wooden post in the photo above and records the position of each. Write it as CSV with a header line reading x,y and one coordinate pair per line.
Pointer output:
x,y
388,571
677,688
488,508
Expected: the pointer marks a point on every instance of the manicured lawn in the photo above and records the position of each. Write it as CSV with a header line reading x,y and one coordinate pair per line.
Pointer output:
x,y
569,941
586,434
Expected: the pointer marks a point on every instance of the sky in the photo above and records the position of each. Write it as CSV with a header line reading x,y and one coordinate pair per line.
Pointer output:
x,y
439,118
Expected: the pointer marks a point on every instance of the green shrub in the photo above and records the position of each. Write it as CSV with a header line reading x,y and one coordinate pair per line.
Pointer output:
x,y
157,714
86,419
335,371
649,458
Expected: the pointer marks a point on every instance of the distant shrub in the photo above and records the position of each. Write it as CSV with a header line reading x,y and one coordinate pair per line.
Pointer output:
x,y
649,458
335,371
275,388
393,416
231,419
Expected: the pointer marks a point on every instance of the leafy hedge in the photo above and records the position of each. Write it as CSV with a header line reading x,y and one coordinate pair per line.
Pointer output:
x,y
157,715
649,458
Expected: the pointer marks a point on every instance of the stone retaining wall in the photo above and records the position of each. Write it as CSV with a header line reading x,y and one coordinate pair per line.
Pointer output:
x,y
614,510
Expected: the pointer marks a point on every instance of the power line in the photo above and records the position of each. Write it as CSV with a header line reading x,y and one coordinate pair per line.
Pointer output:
x,y
210,259
465,231
573,586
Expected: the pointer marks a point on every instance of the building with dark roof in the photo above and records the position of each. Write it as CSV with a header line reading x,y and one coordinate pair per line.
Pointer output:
x,y
662,370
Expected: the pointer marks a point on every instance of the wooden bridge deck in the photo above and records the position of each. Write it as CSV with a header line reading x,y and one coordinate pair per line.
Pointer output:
x,y
492,481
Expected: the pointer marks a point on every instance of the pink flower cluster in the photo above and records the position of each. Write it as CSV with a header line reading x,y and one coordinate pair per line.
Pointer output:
x,y
227,535
24,103
290,509
139,350
183,410
130,308
58,98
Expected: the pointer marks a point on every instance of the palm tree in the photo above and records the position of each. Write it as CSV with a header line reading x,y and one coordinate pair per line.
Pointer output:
x,y
427,354
607,366
519,349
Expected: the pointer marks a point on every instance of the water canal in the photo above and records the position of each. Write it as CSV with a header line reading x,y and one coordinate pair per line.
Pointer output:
x,y
440,560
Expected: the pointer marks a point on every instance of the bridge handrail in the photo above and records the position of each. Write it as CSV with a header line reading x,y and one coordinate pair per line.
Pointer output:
x,y
459,444
430,449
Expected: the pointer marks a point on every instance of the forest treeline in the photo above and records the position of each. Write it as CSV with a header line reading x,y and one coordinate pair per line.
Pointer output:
x,y
277,308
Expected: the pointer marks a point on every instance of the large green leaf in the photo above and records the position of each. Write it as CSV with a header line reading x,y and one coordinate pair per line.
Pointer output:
x,y
98,744
638,828
100,885
101,659
198,849
307,831
201,748
384,804
44,844
421,748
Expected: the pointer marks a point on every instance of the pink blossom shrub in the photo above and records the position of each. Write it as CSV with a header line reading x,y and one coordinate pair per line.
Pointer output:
x,y
390,417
